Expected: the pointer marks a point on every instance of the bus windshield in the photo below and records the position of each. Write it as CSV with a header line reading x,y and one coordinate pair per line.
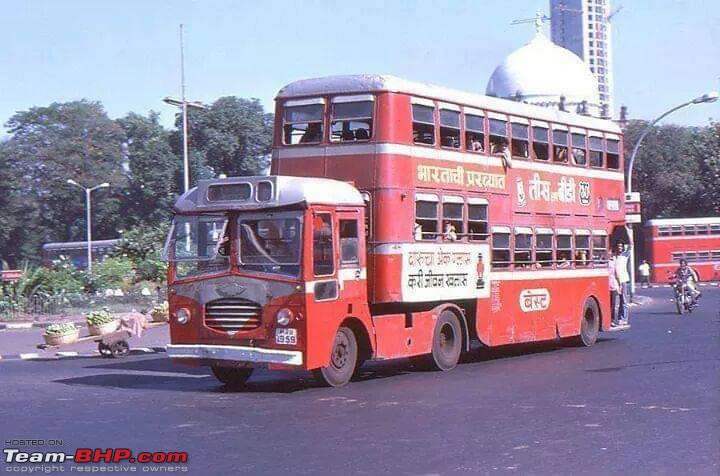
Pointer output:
x,y
270,245
197,244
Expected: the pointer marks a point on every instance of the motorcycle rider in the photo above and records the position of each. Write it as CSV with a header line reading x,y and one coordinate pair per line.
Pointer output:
x,y
685,274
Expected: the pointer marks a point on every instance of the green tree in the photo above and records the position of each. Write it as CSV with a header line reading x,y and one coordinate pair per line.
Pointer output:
x,y
51,144
233,136
706,147
151,168
668,171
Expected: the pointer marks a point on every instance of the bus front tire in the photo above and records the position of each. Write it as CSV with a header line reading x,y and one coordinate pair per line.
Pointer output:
x,y
446,344
343,360
589,325
232,376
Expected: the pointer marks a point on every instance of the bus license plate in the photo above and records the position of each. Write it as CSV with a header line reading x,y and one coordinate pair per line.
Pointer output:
x,y
286,336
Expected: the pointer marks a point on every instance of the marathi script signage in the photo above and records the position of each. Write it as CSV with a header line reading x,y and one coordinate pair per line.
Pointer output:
x,y
434,272
534,300
566,190
460,176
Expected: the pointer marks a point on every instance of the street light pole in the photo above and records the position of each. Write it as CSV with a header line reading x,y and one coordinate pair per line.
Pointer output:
x,y
705,98
88,216
183,104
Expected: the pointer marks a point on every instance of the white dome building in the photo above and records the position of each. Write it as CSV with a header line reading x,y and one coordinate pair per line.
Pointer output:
x,y
542,73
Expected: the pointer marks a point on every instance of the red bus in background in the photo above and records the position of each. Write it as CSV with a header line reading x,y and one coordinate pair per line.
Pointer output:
x,y
453,240
695,239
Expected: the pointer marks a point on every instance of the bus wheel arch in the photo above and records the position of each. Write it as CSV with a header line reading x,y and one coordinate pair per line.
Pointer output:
x,y
365,347
450,337
350,348
461,315
590,322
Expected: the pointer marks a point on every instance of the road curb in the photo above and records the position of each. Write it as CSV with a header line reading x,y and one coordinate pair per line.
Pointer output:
x,y
75,355
24,325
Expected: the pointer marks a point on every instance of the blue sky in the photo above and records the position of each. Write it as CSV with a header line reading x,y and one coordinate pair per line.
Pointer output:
x,y
125,53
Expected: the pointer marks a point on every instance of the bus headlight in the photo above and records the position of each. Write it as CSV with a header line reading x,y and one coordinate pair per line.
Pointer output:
x,y
284,316
182,315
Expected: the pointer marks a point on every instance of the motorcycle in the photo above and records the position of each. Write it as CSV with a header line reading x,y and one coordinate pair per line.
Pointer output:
x,y
684,299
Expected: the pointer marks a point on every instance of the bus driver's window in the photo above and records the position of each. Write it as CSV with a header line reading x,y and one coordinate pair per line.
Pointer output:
x,y
349,243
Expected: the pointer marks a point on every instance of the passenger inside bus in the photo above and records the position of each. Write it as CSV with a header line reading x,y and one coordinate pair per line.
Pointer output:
x,y
312,134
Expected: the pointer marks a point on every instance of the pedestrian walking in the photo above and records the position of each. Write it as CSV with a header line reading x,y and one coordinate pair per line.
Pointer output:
x,y
644,271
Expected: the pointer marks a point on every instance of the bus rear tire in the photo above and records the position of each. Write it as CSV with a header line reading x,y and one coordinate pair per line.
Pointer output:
x,y
343,360
446,345
589,324
232,376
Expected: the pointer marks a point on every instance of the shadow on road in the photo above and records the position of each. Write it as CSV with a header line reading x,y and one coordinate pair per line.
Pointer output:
x,y
163,374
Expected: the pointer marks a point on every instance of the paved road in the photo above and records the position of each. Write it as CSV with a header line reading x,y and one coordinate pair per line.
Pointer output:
x,y
642,402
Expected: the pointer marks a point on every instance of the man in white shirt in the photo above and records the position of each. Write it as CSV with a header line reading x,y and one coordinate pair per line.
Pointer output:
x,y
622,275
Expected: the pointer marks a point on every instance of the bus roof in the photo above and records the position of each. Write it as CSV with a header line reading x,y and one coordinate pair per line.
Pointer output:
x,y
266,191
683,221
365,83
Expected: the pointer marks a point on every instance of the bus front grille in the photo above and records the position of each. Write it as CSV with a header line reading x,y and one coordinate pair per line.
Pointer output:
x,y
233,315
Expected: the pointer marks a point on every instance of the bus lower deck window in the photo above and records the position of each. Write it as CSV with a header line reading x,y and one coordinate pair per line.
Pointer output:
x,y
498,135
578,149
596,152
477,221
450,128
560,146
423,124
540,143
544,249
351,121
582,250
474,133
501,250
303,124
452,221
613,154
426,224
599,249
564,251
523,250
520,138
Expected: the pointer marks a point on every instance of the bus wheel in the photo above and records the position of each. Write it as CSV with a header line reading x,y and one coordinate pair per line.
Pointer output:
x,y
446,345
590,324
343,360
232,376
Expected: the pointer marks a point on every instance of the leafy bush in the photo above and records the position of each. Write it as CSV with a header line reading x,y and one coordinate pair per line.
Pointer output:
x,y
143,246
115,272
61,329
98,318
161,312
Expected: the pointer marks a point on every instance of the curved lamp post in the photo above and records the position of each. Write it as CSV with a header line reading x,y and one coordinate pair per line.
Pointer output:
x,y
88,217
705,98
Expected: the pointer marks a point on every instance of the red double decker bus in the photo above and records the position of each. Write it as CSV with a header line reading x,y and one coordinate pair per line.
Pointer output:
x,y
400,220
668,240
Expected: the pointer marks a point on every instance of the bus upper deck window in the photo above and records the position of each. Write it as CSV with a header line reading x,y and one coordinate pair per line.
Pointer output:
x,y
520,146
715,229
676,230
474,133
613,154
579,144
701,229
560,145
498,135
540,143
351,120
596,151
450,128
423,124
303,124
